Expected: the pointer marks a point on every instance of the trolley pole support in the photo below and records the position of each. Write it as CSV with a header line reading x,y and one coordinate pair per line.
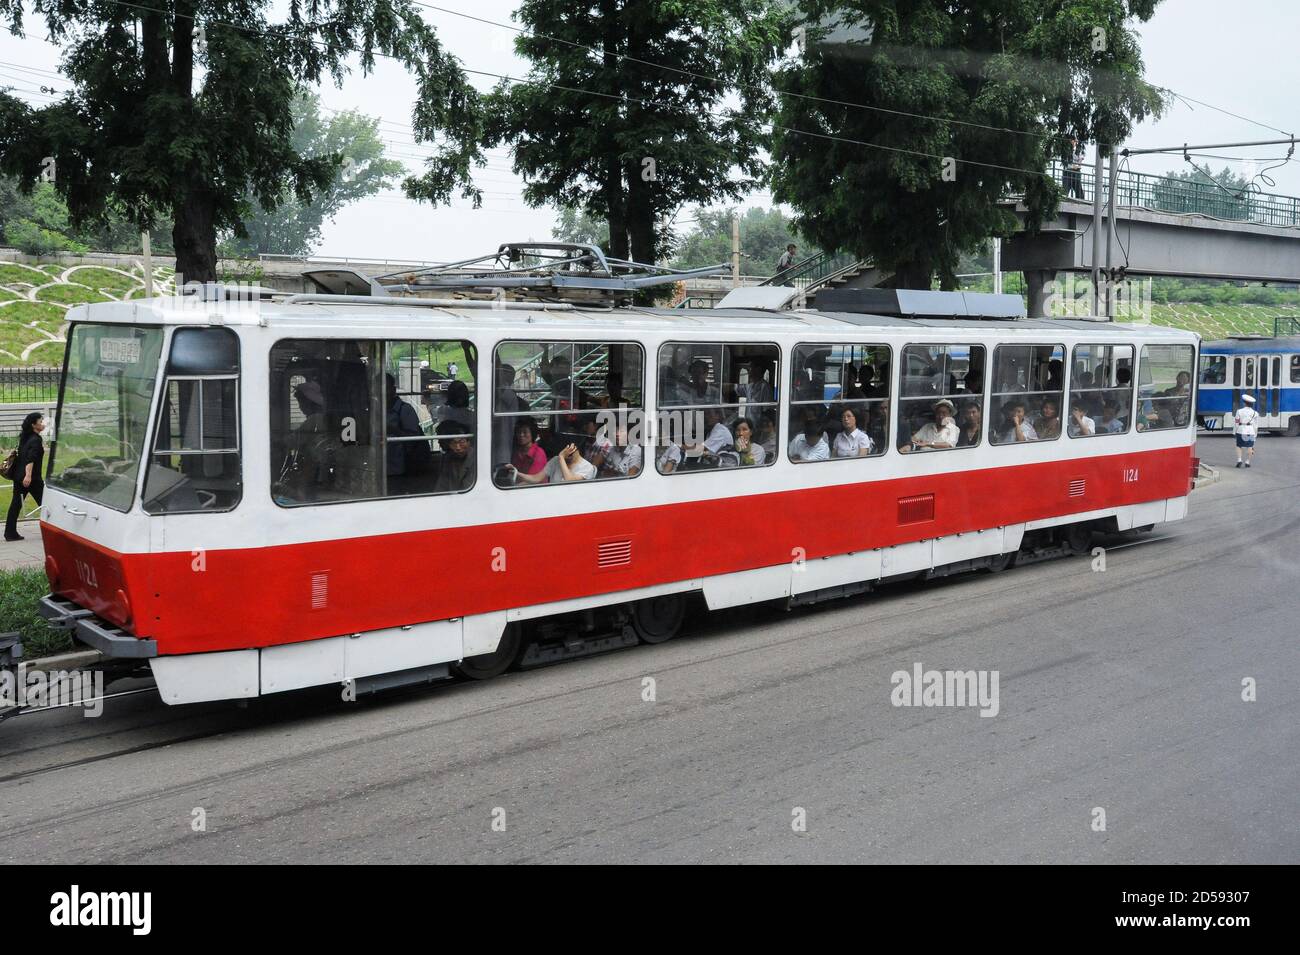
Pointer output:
x,y
735,249
1110,235
1096,230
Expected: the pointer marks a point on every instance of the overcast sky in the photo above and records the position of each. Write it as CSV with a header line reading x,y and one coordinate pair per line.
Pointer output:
x,y
1240,59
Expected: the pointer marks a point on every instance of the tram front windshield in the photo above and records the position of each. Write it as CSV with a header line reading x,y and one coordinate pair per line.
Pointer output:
x,y
101,432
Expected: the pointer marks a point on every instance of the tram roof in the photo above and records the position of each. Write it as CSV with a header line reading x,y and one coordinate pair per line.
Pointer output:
x,y
1252,346
365,315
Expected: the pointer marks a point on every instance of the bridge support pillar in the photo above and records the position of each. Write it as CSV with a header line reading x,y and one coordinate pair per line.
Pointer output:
x,y
1038,284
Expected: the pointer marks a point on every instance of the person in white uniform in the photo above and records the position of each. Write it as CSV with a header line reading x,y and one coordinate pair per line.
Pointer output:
x,y
1244,426
811,444
851,442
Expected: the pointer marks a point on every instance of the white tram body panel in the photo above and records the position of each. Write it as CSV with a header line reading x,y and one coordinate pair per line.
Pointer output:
x,y
267,595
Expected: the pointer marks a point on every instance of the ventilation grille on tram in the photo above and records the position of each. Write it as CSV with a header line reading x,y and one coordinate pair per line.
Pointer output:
x,y
613,554
916,509
1078,487
320,590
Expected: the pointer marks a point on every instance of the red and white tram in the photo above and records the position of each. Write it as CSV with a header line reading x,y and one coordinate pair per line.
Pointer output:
x,y
256,497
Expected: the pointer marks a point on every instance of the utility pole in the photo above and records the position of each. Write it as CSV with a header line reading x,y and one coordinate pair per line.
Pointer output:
x,y
1110,236
735,249
148,264
997,265
1096,229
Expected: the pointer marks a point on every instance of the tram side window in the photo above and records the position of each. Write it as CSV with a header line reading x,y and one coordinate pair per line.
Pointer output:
x,y
839,404
567,411
327,421
1028,385
1295,369
430,396
1165,387
1101,390
194,465
717,406
941,405
1214,369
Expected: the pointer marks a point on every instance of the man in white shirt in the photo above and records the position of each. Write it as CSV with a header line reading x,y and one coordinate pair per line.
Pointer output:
x,y
1245,428
669,458
939,434
811,444
1081,426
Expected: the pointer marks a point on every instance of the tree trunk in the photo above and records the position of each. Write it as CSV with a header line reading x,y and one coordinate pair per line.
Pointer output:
x,y
912,275
194,233
640,216
194,237
615,208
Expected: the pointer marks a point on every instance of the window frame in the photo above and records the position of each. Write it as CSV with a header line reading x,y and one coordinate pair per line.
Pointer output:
x,y
899,398
237,450
659,407
793,403
1132,388
1062,400
493,414
1189,397
381,446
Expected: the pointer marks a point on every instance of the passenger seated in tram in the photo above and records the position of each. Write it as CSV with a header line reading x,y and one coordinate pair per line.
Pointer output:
x,y
457,410
970,424
623,459
456,463
528,456
1048,423
568,465
748,451
1016,426
717,439
596,445
878,423
851,442
670,458
810,444
937,435
1110,422
1081,426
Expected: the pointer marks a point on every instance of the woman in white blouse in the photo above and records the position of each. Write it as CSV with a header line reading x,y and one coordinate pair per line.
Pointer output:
x,y
852,442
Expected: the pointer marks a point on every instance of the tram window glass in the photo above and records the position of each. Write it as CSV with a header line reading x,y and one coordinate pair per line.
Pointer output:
x,y
1101,391
1214,369
107,391
430,397
1165,390
717,406
839,401
1295,369
1028,388
327,421
567,411
941,405
1250,372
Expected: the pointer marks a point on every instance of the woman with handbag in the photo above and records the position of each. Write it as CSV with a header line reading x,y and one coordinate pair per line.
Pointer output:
x,y
26,472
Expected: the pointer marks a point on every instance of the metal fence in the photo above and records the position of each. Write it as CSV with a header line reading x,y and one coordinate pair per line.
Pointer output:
x,y
29,384
1165,194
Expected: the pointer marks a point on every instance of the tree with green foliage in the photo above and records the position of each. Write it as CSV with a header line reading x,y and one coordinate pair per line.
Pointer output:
x,y
42,227
183,108
903,122
764,234
574,225
599,126
293,227
1225,195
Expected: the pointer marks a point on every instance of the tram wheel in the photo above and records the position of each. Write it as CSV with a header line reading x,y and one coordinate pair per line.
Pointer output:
x,y
487,665
1077,538
1000,563
657,619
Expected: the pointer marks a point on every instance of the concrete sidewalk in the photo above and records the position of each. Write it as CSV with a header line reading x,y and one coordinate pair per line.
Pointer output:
x,y
24,553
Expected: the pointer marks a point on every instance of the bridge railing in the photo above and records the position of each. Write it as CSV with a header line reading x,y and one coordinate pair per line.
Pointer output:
x,y
1167,194
812,269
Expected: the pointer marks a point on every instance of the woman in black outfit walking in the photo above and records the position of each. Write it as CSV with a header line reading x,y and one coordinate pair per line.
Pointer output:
x,y
27,471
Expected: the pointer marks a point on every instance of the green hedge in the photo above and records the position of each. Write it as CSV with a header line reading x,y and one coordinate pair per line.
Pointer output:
x,y
20,589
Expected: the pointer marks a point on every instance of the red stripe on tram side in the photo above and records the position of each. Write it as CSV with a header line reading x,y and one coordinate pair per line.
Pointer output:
x,y
285,594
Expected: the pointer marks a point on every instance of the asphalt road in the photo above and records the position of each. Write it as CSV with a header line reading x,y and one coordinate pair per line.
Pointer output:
x,y
1119,690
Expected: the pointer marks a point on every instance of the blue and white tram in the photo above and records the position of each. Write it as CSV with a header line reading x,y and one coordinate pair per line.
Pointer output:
x,y
1268,369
